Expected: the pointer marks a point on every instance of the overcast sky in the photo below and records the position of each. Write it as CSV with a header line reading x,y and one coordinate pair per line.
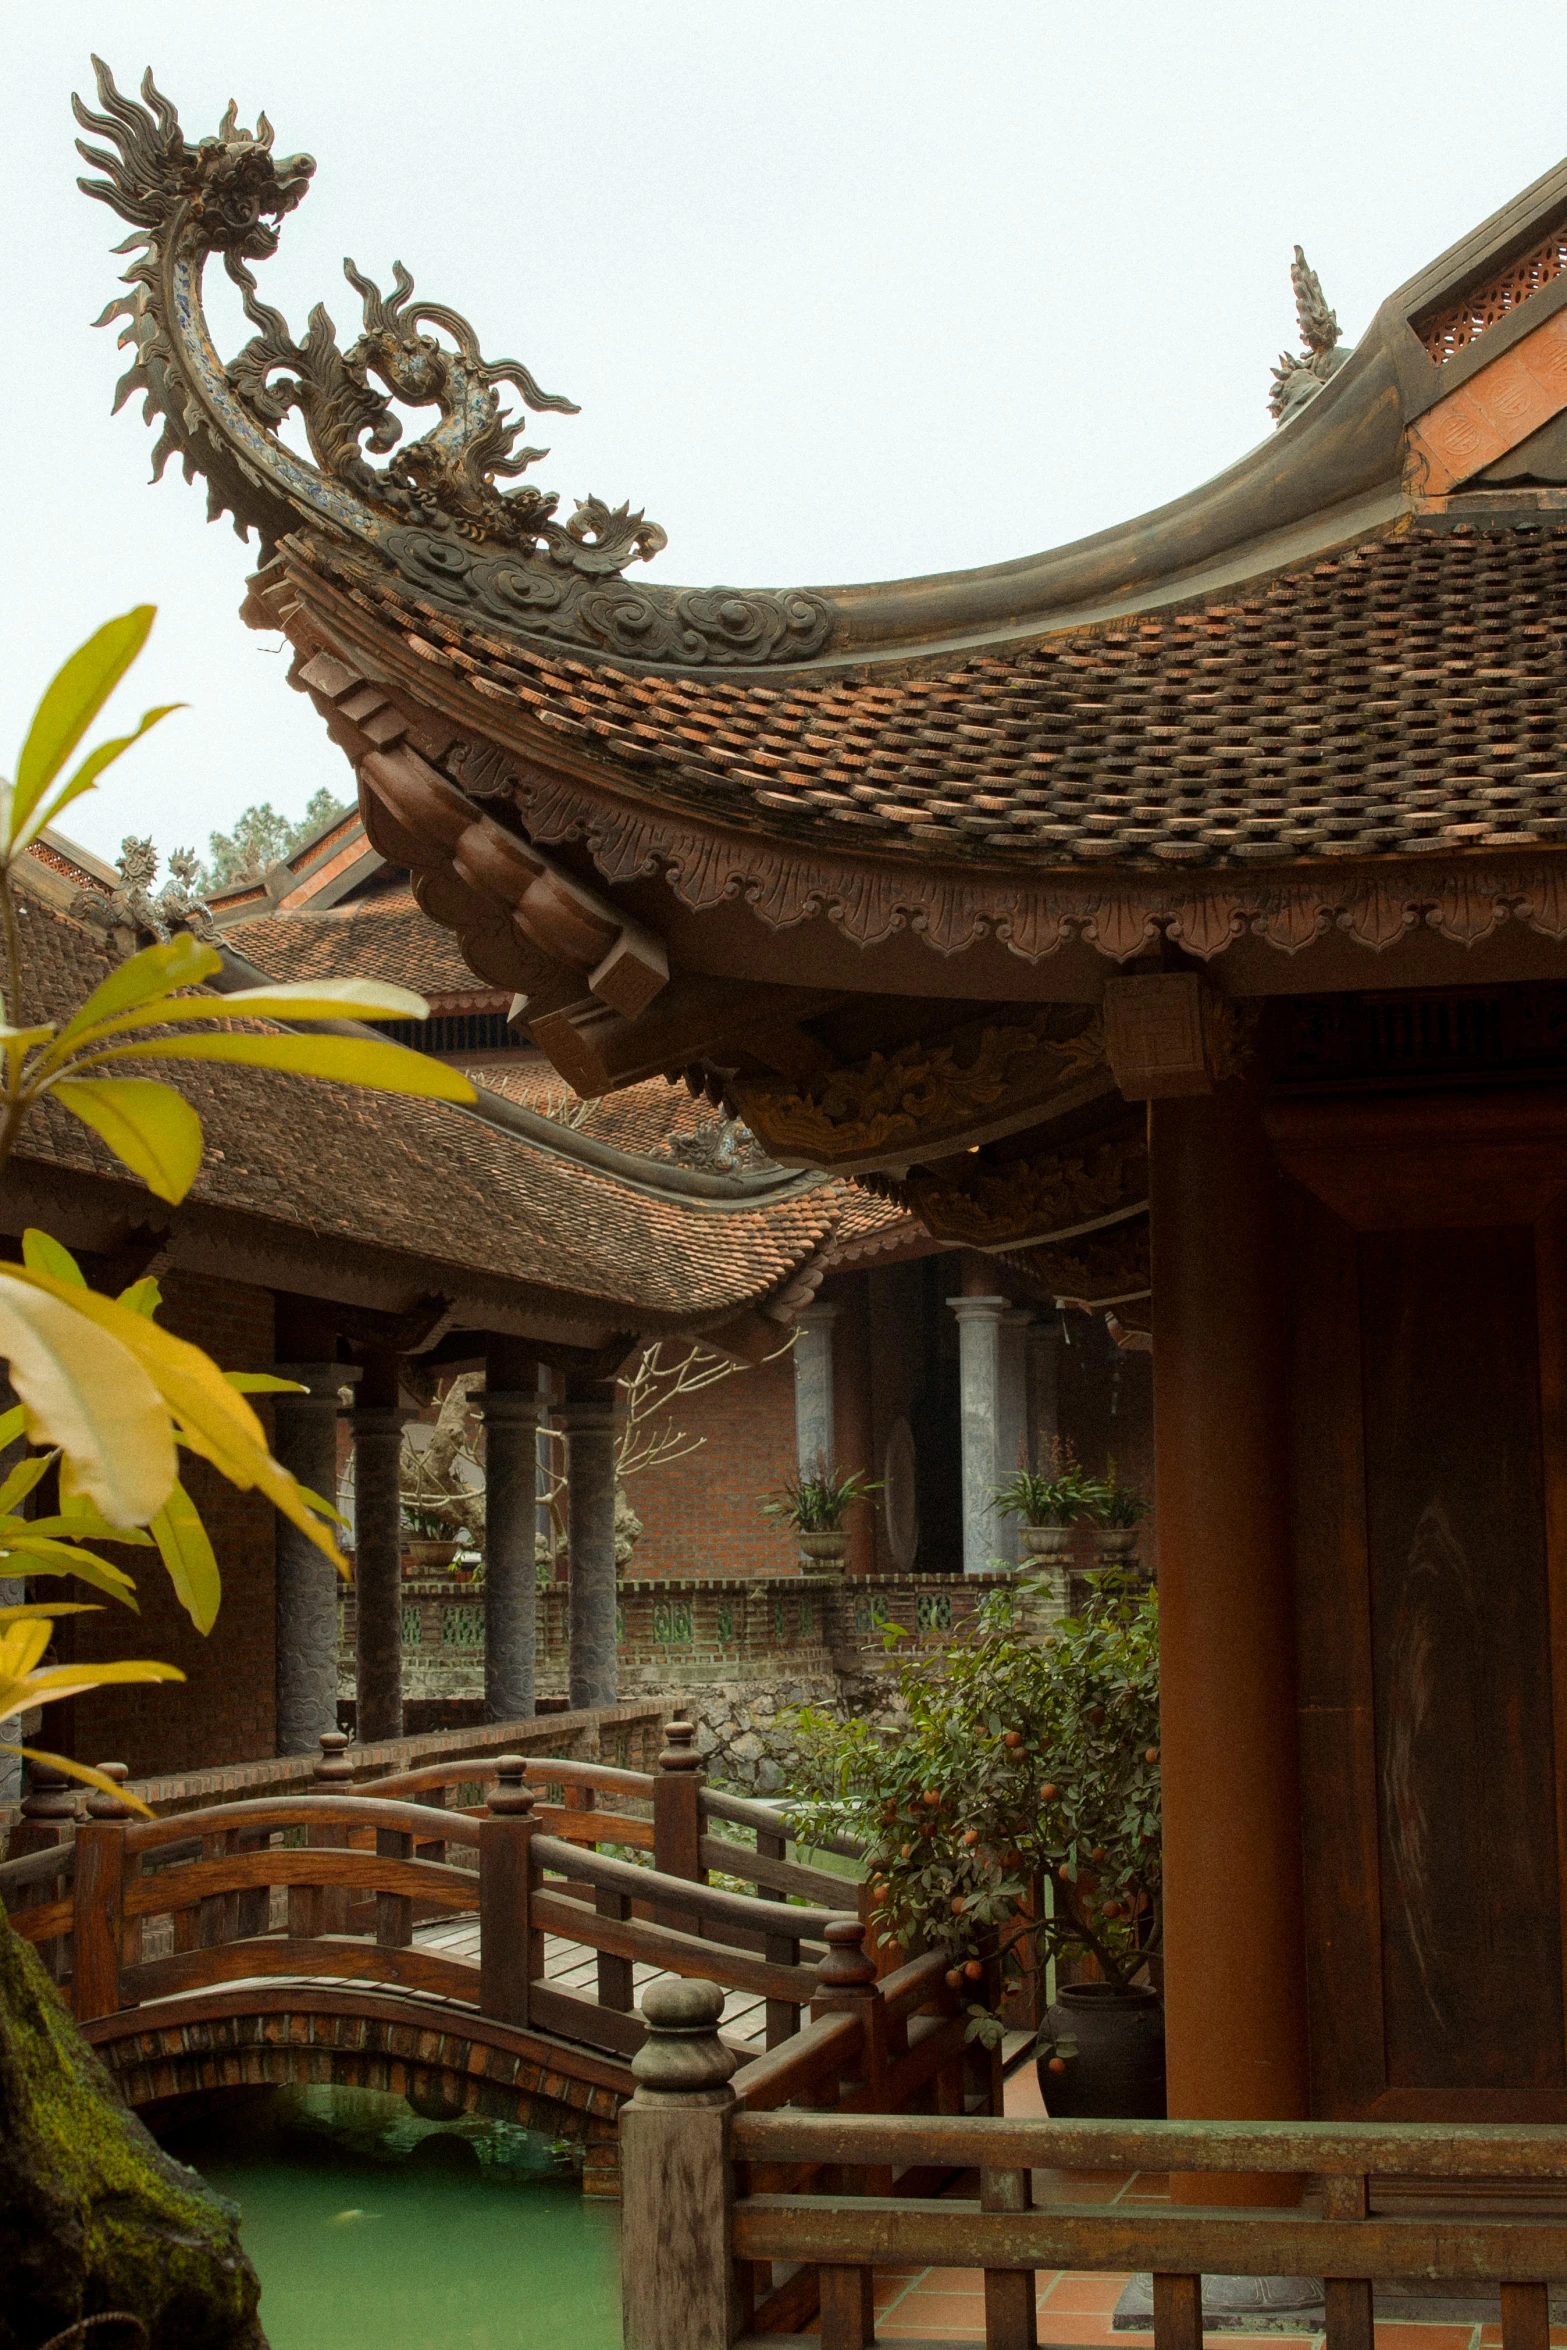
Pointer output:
x,y
845,290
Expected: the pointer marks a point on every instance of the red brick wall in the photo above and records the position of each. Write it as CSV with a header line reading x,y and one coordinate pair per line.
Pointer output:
x,y
223,1711
699,1515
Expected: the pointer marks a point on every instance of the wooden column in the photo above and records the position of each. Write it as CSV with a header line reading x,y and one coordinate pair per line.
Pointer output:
x,y
1235,2002
306,1586
378,1550
589,1421
510,1407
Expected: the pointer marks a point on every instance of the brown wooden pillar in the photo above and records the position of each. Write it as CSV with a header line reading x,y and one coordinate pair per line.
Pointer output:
x,y
378,1549
1235,2000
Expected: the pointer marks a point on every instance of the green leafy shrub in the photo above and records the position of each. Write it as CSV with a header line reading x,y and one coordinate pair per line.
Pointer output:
x,y
1063,1495
818,1500
1020,1765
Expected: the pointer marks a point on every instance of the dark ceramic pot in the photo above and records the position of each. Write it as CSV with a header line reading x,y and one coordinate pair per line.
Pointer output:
x,y
1110,2045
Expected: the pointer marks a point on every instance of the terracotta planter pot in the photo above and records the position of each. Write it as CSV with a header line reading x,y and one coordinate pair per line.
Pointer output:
x,y
425,1555
1110,2045
831,1548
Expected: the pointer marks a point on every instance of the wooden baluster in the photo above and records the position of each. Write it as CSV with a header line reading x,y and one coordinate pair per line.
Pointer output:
x,y
434,1798
578,1799
253,1906
677,2279
323,1909
771,1844
47,1823
1010,2293
1526,2317
1349,2309
1177,2313
100,1921
394,1912
511,1950
848,2319
616,1976
677,1819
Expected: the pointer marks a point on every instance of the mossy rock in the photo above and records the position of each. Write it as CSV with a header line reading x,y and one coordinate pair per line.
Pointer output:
x,y
94,2216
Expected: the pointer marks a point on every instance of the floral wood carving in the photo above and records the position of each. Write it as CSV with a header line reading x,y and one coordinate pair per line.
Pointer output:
x,y
1027,1200
918,1095
1103,1271
437,509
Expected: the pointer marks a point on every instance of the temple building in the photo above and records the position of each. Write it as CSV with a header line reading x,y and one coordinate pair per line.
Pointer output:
x,y
1198,892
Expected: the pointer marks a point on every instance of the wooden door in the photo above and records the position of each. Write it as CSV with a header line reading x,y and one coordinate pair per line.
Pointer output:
x,y
1429,1461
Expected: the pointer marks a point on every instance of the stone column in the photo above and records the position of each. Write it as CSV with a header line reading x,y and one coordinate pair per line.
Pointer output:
x,y
1235,1992
1011,1420
589,1421
813,1396
980,1390
307,1584
511,1455
378,1552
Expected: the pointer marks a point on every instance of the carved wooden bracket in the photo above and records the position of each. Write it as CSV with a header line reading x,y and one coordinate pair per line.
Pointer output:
x,y
620,962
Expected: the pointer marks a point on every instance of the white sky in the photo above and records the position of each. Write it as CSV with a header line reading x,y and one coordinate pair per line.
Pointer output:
x,y
845,290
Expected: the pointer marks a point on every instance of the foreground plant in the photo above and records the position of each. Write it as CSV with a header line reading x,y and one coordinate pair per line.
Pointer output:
x,y
97,1380
819,1499
1015,1809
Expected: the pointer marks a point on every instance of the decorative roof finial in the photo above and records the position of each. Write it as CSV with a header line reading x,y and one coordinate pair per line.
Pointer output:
x,y
1297,380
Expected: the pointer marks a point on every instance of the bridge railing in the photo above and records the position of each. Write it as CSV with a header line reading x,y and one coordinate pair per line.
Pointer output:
x,y
720,2186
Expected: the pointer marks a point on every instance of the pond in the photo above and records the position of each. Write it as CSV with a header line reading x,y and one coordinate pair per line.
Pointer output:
x,y
373,2230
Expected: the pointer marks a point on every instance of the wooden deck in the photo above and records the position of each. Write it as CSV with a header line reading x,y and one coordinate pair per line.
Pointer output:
x,y
570,1966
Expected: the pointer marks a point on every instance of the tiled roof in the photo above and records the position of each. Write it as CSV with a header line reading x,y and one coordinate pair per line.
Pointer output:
x,y
1407,694
431,1181
382,935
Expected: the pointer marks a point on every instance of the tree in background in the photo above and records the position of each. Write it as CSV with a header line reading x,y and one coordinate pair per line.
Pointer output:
x,y
260,838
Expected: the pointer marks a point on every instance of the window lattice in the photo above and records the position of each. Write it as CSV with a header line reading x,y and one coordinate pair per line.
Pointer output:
x,y
1452,330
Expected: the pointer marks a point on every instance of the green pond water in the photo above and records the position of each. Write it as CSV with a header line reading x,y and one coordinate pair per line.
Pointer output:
x,y
373,2230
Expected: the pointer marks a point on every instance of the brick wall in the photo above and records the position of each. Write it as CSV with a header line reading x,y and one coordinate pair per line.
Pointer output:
x,y
223,1711
700,1515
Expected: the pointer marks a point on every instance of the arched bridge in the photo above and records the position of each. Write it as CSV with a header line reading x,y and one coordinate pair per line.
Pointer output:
x,y
479,1959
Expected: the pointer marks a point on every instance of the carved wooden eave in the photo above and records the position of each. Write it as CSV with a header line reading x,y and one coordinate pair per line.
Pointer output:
x,y
866,863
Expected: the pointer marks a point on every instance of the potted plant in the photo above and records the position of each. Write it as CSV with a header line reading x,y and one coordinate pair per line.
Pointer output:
x,y
1014,1815
1117,1511
428,1541
1047,1503
815,1503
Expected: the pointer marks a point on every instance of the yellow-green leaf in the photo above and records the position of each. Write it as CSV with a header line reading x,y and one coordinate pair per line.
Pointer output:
x,y
143,1297
149,1127
181,961
187,1553
86,1773
48,1609
45,1254
351,1060
11,1426
21,1481
328,999
83,1389
264,1383
71,702
102,755
47,1557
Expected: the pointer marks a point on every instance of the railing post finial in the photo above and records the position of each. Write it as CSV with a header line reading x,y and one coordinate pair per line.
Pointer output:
x,y
334,1767
683,2055
510,1798
101,1806
679,1750
845,1974
51,1796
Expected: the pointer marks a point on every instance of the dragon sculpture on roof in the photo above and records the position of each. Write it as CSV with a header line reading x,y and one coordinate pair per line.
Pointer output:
x,y
436,511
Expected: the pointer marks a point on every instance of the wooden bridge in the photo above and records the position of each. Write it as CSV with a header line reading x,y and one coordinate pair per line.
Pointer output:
x,y
480,1955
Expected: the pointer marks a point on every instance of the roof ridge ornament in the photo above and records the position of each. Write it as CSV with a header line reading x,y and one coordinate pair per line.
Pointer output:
x,y
1299,379
436,511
